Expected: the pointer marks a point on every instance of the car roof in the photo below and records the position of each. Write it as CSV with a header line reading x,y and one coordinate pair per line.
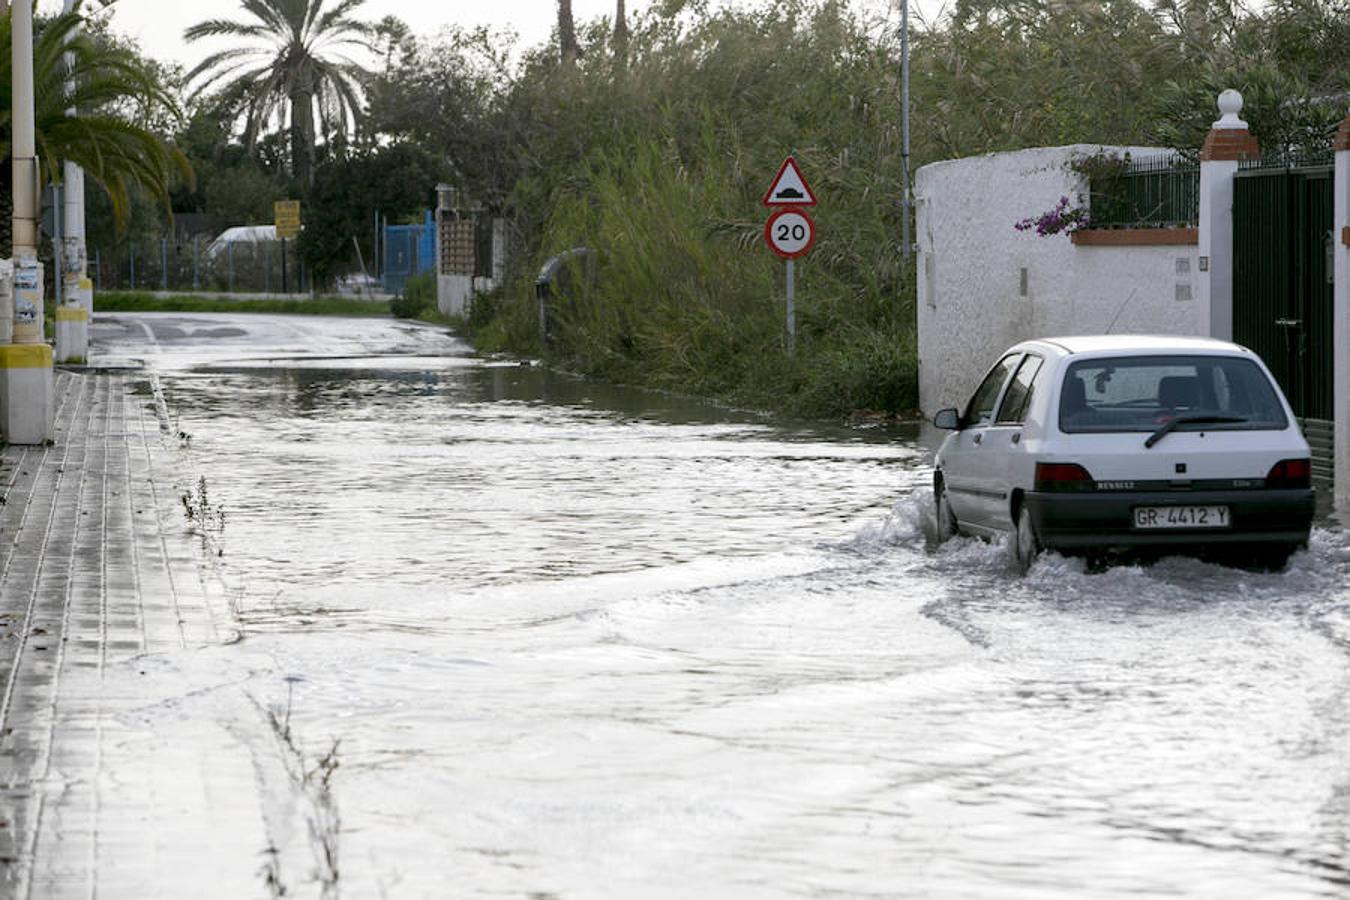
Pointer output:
x,y
1136,343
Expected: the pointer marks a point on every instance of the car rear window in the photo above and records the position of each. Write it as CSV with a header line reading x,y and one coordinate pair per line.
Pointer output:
x,y
1141,393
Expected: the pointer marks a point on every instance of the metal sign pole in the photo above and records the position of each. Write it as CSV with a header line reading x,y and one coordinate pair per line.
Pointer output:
x,y
58,241
789,231
905,200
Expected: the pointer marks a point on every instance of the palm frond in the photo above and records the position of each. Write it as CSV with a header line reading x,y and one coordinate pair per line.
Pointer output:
x,y
294,69
224,28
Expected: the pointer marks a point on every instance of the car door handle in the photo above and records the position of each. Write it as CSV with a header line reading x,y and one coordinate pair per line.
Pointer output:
x,y
1017,438
977,439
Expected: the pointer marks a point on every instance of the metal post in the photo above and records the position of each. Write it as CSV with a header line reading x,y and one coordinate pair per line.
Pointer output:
x,y
98,268
28,318
284,284
365,277
27,392
24,149
229,256
164,264
905,201
131,252
76,232
58,241
791,308
196,281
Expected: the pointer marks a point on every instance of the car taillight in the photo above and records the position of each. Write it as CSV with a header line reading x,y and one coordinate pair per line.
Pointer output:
x,y
1290,473
1063,477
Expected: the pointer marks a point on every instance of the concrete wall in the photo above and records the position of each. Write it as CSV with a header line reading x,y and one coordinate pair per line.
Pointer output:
x,y
453,294
974,299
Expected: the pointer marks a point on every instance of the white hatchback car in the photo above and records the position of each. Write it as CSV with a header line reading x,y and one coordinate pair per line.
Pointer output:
x,y
1125,442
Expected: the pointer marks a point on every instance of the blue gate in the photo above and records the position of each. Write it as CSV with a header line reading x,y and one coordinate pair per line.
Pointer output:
x,y
408,250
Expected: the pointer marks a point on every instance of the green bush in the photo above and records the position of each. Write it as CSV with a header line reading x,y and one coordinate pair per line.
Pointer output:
x,y
688,298
661,173
419,296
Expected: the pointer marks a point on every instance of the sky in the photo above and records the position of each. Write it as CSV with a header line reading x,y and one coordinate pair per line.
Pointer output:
x,y
157,25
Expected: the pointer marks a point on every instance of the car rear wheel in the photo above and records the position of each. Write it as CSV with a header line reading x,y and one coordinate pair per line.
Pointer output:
x,y
1025,544
1272,559
947,526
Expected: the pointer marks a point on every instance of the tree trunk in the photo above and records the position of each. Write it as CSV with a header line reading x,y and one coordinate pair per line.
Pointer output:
x,y
567,35
302,137
620,38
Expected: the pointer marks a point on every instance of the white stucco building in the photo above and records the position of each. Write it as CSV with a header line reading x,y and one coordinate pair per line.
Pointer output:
x,y
983,285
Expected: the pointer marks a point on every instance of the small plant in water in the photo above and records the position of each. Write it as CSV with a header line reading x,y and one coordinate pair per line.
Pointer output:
x,y
313,778
200,512
183,436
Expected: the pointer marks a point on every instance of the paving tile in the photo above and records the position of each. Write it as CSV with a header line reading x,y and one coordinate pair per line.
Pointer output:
x,y
93,576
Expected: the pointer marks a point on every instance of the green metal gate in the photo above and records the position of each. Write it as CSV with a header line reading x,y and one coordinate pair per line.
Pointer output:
x,y
1282,297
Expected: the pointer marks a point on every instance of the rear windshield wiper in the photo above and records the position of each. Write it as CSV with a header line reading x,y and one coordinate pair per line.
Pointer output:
x,y
1189,420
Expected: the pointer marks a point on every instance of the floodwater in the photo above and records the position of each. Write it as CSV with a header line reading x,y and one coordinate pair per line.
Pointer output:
x,y
581,641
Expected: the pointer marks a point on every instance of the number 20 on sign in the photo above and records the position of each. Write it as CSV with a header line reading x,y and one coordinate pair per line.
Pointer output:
x,y
790,233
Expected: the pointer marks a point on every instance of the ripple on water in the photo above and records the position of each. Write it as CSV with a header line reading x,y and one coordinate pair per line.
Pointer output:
x,y
576,646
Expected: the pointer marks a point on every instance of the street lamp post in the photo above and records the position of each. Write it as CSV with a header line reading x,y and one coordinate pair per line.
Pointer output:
x,y
76,294
26,383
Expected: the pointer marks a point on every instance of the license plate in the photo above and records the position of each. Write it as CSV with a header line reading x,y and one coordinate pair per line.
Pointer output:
x,y
1181,517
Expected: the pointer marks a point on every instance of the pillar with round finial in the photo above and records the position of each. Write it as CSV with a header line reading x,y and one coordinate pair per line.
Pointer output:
x,y
1228,144
1229,139
1340,300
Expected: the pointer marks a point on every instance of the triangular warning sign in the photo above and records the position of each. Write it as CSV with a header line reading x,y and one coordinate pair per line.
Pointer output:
x,y
789,187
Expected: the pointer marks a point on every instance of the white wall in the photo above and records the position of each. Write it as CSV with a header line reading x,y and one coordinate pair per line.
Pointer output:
x,y
970,262
454,293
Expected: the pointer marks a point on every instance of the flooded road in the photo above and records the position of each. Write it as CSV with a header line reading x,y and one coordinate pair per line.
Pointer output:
x,y
577,641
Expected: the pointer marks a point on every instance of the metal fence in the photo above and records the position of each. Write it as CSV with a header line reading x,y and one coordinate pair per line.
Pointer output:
x,y
1157,192
1291,158
264,267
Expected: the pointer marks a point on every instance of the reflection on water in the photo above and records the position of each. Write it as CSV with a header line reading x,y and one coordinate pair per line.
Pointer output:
x,y
583,641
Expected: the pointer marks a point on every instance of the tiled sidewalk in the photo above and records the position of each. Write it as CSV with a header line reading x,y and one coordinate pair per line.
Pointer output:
x,y
104,604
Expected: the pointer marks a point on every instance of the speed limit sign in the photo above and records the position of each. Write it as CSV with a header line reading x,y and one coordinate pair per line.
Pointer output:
x,y
790,233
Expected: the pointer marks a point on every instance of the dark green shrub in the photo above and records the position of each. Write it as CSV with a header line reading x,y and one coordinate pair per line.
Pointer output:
x,y
419,296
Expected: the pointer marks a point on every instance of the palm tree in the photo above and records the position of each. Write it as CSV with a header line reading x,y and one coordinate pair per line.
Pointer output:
x,y
294,64
111,88
620,37
567,36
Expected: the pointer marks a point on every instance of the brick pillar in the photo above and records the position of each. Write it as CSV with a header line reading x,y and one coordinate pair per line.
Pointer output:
x,y
1229,142
1340,223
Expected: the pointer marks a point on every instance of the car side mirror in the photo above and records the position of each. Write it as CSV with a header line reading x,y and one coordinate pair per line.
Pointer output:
x,y
948,418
